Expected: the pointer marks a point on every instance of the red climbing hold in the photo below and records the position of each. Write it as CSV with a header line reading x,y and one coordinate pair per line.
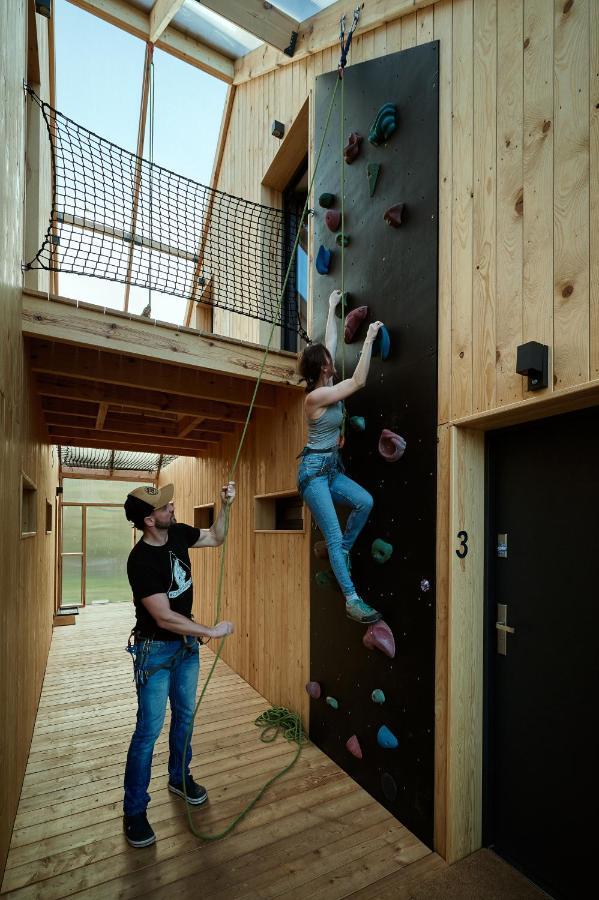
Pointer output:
x,y
380,637
333,219
313,689
391,445
353,745
352,148
353,320
393,215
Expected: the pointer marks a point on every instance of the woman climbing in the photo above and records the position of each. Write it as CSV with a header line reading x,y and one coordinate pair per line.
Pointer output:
x,y
320,478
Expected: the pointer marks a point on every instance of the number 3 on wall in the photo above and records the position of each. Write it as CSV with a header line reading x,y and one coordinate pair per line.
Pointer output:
x,y
462,550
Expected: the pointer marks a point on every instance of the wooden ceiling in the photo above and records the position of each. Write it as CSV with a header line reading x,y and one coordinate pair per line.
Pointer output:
x,y
133,398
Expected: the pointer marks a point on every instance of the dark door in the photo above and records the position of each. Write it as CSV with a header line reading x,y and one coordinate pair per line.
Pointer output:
x,y
542,695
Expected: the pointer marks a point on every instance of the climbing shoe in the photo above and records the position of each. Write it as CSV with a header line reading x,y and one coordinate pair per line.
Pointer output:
x,y
138,830
196,793
359,611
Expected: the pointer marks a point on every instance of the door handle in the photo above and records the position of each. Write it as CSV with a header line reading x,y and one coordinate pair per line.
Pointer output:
x,y
502,628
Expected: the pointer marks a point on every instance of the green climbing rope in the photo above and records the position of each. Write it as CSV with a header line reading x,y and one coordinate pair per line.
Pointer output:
x,y
276,718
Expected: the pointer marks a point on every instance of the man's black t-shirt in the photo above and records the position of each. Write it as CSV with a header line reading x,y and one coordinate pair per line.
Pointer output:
x,y
162,570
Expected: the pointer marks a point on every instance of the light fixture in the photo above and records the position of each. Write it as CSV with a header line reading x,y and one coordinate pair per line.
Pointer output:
x,y
278,129
532,359
44,8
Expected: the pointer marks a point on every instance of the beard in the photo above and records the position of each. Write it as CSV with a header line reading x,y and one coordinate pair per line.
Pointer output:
x,y
164,526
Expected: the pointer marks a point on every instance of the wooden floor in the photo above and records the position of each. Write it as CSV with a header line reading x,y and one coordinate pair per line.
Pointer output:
x,y
314,834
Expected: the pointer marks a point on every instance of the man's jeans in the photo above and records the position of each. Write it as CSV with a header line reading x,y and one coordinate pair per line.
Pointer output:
x,y
179,685
321,483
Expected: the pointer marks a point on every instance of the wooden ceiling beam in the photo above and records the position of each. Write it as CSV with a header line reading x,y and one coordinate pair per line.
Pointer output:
x,y
161,15
56,389
265,21
128,428
187,424
103,474
145,447
86,325
153,444
87,365
136,21
101,418
321,31
74,408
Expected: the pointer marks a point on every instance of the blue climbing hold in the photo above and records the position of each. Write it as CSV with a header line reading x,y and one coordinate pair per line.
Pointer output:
x,y
386,739
378,696
382,343
323,260
358,423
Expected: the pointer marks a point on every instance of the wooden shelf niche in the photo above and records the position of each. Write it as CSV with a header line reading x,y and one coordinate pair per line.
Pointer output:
x,y
203,515
281,512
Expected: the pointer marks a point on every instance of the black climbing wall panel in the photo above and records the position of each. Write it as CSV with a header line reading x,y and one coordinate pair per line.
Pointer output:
x,y
394,272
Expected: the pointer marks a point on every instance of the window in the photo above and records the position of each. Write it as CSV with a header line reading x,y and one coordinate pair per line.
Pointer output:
x,y
296,295
279,512
28,507
203,516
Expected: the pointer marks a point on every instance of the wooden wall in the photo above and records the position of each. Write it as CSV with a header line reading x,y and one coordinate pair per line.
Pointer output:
x,y
266,586
27,564
518,182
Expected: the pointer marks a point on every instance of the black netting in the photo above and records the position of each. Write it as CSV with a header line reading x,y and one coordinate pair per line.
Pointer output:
x,y
119,217
115,460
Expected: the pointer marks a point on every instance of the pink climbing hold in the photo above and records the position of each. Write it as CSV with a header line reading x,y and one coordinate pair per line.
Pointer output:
x,y
391,445
352,148
333,219
353,745
313,689
353,320
380,637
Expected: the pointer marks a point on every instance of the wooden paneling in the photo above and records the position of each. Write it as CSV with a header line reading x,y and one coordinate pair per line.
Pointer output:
x,y
27,565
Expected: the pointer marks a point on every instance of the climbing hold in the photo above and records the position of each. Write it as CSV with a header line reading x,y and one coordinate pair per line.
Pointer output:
x,y
353,321
343,306
323,260
381,551
321,550
333,219
377,696
313,689
358,423
352,148
353,745
382,343
342,240
389,786
326,200
324,579
380,637
391,445
425,585
372,171
332,702
384,125
394,214
386,739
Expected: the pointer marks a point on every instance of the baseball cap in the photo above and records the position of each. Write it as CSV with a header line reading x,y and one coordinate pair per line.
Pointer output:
x,y
143,500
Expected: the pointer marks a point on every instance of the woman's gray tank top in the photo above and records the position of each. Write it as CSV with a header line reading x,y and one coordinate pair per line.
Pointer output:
x,y
323,434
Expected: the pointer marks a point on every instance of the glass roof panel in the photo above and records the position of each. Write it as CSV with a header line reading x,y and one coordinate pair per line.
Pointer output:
x,y
207,26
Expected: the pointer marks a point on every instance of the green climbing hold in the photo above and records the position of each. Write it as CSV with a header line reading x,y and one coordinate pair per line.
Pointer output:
x,y
358,423
342,240
324,578
332,702
384,125
373,172
378,696
326,200
381,550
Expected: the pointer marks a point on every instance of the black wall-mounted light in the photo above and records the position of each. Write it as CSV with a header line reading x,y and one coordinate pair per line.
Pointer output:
x,y
278,129
532,359
44,8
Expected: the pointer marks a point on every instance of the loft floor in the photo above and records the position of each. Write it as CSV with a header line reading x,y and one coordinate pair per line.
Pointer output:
x,y
314,834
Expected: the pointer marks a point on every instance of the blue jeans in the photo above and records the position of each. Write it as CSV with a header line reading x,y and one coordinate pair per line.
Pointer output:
x,y
322,483
179,685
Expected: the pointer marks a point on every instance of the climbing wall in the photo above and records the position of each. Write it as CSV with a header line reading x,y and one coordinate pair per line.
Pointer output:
x,y
393,271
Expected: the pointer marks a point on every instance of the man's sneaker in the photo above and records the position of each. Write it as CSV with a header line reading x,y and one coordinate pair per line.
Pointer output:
x,y
196,793
359,611
138,830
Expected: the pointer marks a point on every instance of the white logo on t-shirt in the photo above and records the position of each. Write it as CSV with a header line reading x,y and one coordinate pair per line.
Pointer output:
x,y
180,577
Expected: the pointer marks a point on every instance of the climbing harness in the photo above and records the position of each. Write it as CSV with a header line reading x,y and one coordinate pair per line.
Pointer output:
x,y
140,653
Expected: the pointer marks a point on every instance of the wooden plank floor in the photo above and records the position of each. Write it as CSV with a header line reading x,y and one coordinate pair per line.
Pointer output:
x,y
314,834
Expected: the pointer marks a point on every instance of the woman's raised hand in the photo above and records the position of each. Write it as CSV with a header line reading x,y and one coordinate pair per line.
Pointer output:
x,y
373,330
335,299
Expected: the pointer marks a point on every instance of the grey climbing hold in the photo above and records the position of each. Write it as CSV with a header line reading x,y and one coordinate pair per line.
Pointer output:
x,y
324,579
372,171
326,200
342,240
389,786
